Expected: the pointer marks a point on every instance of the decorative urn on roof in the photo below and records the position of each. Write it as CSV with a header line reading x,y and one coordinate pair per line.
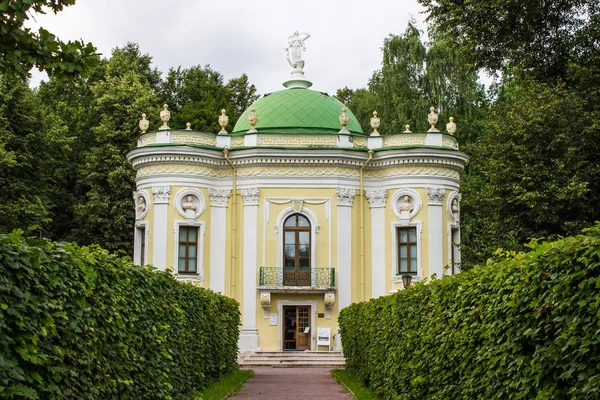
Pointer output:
x,y
144,123
344,119
432,118
253,120
165,116
375,122
451,126
223,121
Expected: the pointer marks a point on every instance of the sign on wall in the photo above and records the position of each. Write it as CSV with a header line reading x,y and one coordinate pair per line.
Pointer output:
x,y
323,335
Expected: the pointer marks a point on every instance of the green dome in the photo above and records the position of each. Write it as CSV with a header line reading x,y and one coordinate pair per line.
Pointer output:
x,y
297,110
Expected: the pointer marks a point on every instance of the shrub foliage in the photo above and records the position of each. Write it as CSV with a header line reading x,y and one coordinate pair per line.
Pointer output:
x,y
80,323
523,326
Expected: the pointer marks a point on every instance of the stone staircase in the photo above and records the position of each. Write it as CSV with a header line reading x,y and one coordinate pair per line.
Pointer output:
x,y
329,359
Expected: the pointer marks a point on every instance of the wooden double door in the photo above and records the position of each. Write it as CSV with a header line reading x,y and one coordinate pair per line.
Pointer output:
x,y
297,329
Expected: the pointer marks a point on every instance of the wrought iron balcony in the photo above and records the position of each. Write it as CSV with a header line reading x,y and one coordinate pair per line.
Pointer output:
x,y
310,277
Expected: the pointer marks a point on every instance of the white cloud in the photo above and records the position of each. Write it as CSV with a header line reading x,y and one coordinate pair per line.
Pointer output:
x,y
237,37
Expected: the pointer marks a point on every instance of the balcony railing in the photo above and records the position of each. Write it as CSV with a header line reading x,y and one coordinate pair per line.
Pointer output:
x,y
315,277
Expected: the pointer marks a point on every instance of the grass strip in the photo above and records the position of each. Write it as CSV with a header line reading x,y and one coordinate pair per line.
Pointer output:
x,y
227,386
353,385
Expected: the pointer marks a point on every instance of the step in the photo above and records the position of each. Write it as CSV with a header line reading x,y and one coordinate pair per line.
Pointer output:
x,y
293,359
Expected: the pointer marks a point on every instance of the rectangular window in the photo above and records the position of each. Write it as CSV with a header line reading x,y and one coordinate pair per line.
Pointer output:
x,y
407,251
188,249
455,251
142,236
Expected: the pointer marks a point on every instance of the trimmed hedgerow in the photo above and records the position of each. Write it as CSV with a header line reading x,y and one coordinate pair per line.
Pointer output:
x,y
80,323
524,326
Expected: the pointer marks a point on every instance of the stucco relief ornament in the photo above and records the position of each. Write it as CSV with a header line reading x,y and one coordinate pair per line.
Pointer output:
x,y
161,194
435,195
344,119
188,204
165,116
223,121
451,126
144,123
377,198
454,206
252,120
407,129
345,196
405,207
250,196
432,118
188,126
218,197
375,122
141,206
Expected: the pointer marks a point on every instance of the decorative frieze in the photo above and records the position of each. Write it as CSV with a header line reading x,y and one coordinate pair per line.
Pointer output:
x,y
161,194
435,196
218,197
250,196
345,196
377,198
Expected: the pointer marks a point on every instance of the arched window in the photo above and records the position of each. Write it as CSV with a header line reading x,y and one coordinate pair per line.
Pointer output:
x,y
296,251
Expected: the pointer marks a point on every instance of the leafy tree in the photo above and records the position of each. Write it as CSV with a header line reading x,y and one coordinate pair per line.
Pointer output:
x,y
21,49
197,95
535,174
34,148
541,37
107,214
362,103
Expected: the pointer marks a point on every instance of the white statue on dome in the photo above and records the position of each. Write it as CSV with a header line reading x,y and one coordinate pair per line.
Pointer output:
x,y
295,48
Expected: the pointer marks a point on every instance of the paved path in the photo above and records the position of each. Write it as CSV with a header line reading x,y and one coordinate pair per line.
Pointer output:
x,y
292,383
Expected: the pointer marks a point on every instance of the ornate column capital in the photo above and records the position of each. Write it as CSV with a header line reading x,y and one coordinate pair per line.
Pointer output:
x,y
377,198
435,196
161,194
345,196
250,196
218,197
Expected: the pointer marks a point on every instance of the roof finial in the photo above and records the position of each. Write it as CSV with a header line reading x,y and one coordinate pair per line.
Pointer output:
x,y
294,57
253,120
223,121
188,126
344,119
432,118
451,126
165,116
144,123
407,129
375,121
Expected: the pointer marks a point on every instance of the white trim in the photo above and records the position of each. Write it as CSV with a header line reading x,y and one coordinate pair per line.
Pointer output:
x,y
160,235
436,243
137,242
378,264
249,335
344,256
218,256
313,320
200,249
200,206
394,225
416,201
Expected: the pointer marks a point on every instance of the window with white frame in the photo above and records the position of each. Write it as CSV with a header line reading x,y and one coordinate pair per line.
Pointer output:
x,y
407,250
187,256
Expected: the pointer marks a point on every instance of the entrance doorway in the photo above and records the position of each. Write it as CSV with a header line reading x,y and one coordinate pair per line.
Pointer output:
x,y
296,328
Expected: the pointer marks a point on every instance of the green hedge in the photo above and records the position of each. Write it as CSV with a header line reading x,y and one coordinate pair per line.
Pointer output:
x,y
524,326
79,323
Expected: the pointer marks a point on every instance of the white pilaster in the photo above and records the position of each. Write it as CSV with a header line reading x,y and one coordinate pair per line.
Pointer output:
x,y
249,334
435,197
377,200
159,237
345,198
218,233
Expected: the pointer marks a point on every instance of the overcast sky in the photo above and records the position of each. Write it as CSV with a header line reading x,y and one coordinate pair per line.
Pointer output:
x,y
236,36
